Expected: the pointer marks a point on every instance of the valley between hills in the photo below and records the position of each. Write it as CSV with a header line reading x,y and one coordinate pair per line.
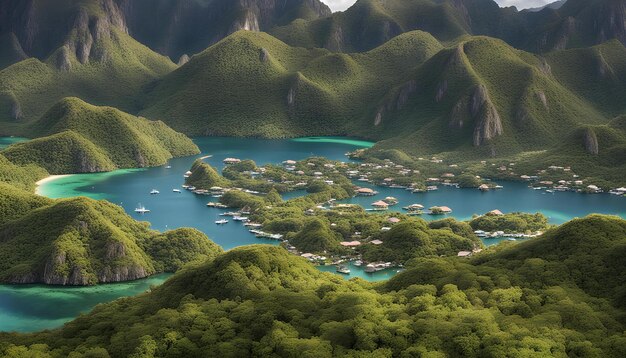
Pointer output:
x,y
454,95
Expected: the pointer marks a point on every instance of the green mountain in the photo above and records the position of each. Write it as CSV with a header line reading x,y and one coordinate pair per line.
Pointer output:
x,y
76,137
188,27
81,241
39,28
543,297
77,49
281,90
479,96
370,23
596,152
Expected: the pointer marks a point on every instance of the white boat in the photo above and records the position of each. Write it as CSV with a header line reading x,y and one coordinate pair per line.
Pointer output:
x,y
240,218
141,209
176,190
154,191
358,263
343,270
221,222
168,167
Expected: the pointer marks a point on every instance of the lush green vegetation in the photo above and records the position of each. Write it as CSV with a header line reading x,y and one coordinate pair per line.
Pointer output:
x,y
511,223
313,224
81,241
91,57
23,177
76,137
370,23
412,239
551,296
282,90
205,176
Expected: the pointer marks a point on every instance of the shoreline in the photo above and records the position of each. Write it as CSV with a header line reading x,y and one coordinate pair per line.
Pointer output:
x,y
47,179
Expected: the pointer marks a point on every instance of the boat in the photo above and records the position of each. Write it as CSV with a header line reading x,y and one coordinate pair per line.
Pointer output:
x,y
230,213
141,209
154,191
168,167
176,190
343,269
370,268
390,200
240,218
358,263
221,222
413,207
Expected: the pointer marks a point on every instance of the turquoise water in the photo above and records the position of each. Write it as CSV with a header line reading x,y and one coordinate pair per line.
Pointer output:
x,y
170,210
7,141
358,271
559,207
29,308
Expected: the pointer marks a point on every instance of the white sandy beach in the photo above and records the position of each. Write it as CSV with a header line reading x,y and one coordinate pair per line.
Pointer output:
x,y
47,180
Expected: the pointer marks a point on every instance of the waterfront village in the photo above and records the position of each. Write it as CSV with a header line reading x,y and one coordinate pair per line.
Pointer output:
x,y
347,232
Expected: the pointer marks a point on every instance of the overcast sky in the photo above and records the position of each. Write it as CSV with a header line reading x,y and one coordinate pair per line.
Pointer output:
x,y
337,5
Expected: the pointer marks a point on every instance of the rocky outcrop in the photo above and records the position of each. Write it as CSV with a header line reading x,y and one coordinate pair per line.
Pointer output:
x,y
488,123
122,273
541,96
16,110
545,67
459,114
264,55
10,102
187,26
395,101
183,59
590,141
442,89
40,33
336,41
563,35
603,69
86,164
89,32
611,21
248,21
62,59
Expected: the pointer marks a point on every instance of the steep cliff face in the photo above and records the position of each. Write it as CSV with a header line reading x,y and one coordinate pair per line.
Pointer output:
x,y
590,141
488,124
10,104
395,100
479,109
189,26
40,27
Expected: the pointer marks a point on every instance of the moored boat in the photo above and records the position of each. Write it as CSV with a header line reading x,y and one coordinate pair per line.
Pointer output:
x,y
141,209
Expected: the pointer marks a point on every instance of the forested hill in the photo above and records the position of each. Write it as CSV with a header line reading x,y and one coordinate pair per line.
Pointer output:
x,y
370,23
76,137
530,299
81,241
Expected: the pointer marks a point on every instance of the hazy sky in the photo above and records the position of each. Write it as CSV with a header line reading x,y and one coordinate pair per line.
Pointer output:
x,y
337,5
